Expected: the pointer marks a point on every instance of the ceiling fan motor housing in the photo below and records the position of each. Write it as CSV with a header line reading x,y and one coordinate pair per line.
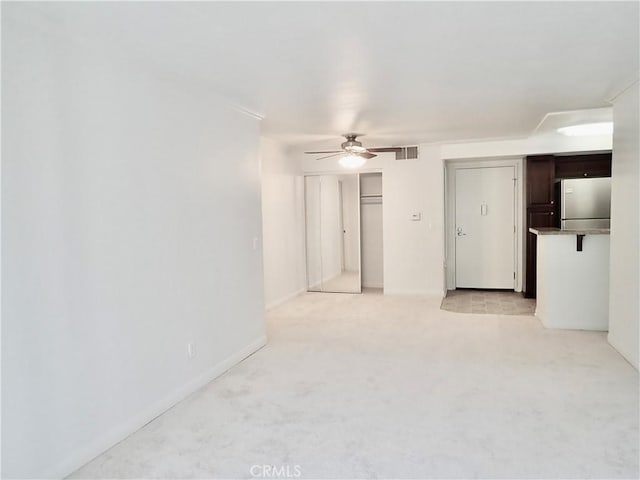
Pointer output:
x,y
352,145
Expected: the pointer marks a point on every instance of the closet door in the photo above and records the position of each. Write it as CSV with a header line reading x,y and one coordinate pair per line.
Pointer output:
x,y
333,233
313,224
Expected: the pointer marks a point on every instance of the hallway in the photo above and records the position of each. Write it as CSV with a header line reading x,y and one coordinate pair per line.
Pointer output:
x,y
373,386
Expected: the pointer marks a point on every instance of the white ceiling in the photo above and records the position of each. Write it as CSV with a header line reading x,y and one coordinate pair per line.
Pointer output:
x,y
400,72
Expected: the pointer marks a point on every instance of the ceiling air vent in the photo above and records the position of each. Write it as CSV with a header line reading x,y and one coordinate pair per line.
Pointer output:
x,y
406,153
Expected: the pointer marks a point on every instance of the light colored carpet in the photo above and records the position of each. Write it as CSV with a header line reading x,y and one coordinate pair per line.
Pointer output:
x,y
488,301
346,282
372,386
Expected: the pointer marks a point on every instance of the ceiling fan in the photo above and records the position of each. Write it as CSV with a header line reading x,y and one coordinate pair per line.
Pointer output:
x,y
353,153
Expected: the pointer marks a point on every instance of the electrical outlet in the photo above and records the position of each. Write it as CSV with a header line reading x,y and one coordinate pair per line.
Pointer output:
x,y
191,350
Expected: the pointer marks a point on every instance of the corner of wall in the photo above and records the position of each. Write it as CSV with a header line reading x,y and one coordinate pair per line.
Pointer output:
x,y
624,276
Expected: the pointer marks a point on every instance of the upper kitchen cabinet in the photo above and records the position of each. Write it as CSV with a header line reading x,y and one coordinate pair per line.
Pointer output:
x,y
583,166
541,171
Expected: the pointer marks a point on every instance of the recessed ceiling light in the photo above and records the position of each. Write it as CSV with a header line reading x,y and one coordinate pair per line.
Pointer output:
x,y
603,128
352,161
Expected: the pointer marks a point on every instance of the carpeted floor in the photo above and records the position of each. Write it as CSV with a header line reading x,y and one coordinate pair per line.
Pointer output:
x,y
373,386
346,282
499,302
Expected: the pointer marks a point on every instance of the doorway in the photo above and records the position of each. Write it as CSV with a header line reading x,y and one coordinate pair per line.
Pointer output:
x,y
371,226
484,237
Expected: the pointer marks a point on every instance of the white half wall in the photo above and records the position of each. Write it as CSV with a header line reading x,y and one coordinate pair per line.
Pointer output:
x,y
131,226
624,308
282,224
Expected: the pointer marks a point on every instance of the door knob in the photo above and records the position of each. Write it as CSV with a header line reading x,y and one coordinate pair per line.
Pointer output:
x,y
460,233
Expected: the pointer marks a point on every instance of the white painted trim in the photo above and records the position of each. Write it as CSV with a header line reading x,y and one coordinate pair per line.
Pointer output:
x,y
285,299
119,432
622,350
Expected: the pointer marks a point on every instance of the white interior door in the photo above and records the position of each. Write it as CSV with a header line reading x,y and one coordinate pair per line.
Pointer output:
x,y
485,227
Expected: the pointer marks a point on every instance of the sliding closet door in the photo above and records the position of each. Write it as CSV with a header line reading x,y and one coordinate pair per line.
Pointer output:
x,y
333,233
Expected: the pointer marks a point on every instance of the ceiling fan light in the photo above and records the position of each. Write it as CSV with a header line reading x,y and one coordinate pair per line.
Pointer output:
x,y
603,128
352,161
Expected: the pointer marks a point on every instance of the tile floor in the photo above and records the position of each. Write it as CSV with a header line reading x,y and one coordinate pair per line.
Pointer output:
x,y
498,302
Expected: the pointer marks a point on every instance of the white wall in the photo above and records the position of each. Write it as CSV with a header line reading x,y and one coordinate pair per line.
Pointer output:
x,y
282,224
549,142
414,250
129,210
624,310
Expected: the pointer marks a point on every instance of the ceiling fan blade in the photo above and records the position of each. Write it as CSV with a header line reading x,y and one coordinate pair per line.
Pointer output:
x,y
329,156
329,151
384,149
367,155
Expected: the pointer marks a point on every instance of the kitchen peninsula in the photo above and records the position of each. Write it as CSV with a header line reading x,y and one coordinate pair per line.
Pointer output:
x,y
573,278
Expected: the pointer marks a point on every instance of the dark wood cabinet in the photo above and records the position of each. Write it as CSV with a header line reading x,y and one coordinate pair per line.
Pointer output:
x,y
545,218
540,176
536,217
583,166
541,210
543,173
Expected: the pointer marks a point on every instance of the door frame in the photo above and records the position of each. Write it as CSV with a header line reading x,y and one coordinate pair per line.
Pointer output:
x,y
450,213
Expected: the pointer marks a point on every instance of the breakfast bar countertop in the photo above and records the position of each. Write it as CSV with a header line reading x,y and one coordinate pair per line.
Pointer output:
x,y
559,231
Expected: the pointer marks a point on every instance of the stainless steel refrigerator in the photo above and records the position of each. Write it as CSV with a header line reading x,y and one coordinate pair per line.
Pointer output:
x,y
585,203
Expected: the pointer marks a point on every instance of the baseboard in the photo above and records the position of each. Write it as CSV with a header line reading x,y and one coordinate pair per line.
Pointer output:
x,y
284,299
623,350
373,285
90,451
